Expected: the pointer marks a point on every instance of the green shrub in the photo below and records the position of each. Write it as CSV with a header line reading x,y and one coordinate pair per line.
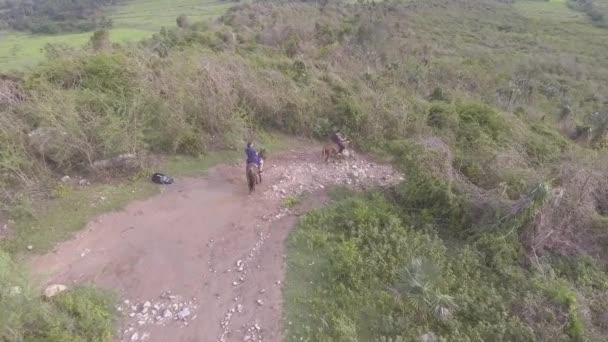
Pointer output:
x,y
544,145
576,328
439,94
349,116
78,315
442,116
430,198
108,73
345,269
477,120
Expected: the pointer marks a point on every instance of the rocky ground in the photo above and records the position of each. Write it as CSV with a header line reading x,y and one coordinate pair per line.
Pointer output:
x,y
205,261
304,175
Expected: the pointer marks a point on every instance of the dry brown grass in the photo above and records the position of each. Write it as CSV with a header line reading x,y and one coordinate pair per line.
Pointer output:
x,y
568,223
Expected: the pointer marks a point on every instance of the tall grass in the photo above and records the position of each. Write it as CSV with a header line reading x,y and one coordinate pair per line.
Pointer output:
x,y
478,101
76,315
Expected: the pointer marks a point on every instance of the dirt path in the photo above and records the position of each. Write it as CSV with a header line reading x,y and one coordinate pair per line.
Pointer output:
x,y
203,261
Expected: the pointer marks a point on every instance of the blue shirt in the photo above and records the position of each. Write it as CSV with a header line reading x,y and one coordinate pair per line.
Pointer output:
x,y
252,155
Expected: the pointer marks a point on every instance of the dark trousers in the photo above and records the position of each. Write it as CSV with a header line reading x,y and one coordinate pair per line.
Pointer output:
x,y
340,146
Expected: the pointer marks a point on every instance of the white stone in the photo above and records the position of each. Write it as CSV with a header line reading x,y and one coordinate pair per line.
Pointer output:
x,y
53,290
183,314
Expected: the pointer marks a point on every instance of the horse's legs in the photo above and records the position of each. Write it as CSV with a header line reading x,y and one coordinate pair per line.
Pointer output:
x,y
250,181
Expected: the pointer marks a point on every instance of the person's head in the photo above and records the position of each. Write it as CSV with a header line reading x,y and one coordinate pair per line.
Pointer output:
x,y
249,144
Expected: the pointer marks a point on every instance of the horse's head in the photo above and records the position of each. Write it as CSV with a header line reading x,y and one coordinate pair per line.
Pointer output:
x,y
262,153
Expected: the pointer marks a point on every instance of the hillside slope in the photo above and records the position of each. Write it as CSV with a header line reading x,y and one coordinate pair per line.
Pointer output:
x,y
497,111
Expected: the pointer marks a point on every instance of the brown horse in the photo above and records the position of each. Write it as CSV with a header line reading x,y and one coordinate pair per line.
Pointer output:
x,y
331,151
253,173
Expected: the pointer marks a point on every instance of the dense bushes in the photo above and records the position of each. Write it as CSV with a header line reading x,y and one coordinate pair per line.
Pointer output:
x,y
470,247
597,13
360,271
49,16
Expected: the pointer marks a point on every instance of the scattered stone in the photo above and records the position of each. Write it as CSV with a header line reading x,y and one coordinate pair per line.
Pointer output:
x,y
53,290
145,336
121,162
147,304
167,313
308,177
239,308
30,247
65,179
84,182
260,302
183,314
135,337
16,290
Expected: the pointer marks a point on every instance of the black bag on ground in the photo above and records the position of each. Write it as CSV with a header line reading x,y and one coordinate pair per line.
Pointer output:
x,y
159,178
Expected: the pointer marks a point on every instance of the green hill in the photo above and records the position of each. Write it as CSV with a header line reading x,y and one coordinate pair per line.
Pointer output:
x,y
130,21
496,112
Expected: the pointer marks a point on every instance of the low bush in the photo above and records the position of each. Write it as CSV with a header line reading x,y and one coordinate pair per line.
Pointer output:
x,y
78,315
361,271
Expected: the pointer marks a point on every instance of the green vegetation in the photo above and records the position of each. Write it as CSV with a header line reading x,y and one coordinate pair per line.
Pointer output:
x,y
495,111
81,314
67,212
291,202
596,10
49,16
127,21
409,267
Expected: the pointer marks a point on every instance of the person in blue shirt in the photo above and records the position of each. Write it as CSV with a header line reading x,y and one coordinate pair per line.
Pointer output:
x,y
252,156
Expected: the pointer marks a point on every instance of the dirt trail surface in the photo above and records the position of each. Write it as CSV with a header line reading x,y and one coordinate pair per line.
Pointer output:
x,y
203,260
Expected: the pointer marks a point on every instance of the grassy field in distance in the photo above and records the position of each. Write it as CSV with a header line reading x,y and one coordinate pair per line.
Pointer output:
x,y
134,20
